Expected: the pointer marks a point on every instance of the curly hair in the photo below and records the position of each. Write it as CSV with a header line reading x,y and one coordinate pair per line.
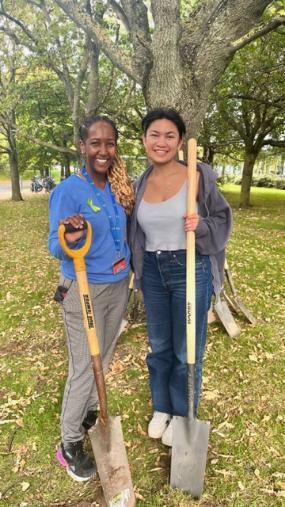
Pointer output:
x,y
118,177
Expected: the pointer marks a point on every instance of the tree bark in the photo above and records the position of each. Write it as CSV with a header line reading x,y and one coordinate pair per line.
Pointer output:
x,y
14,170
179,60
208,154
249,161
93,82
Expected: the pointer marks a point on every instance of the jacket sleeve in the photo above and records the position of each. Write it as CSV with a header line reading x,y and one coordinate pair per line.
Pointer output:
x,y
213,230
61,205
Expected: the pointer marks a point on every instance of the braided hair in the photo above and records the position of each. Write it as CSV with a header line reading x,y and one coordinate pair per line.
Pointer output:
x,y
118,177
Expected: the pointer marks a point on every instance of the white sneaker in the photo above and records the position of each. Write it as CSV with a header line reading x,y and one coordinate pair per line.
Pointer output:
x,y
167,435
158,424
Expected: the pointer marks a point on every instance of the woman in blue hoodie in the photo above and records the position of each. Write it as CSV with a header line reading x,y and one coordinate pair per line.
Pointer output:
x,y
102,194
158,243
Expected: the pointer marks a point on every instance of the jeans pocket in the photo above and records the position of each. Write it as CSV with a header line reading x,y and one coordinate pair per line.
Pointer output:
x,y
179,259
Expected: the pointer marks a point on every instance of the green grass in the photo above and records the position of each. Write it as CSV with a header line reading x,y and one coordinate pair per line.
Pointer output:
x,y
243,378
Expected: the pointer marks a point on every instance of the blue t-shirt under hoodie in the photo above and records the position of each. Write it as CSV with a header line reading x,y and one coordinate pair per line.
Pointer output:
x,y
75,195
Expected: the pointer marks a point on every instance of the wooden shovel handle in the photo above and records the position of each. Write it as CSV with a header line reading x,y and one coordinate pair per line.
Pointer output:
x,y
78,257
190,255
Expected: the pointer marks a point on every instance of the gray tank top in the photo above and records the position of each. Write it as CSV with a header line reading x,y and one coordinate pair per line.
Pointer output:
x,y
163,222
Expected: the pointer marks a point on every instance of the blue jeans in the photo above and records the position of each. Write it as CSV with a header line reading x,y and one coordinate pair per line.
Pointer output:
x,y
164,290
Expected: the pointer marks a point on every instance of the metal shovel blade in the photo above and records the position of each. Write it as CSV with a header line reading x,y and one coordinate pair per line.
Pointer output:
x,y
248,315
112,462
222,310
189,454
239,303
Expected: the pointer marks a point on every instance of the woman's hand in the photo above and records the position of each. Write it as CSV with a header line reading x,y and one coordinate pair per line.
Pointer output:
x,y
77,222
191,222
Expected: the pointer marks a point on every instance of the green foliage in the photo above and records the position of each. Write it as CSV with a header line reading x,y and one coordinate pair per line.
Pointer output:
x,y
248,105
50,55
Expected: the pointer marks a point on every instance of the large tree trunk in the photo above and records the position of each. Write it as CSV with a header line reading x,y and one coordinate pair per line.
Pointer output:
x,y
163,80
249,161
178,60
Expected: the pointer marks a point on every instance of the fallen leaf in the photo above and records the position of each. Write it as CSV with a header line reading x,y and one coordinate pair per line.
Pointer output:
x,y
25,486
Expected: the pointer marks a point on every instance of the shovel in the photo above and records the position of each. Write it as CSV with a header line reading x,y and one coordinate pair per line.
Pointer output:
x,y
106,435
239,303
190,436
223,312
220,306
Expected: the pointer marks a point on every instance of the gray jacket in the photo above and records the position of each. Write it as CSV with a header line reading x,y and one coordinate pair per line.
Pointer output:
x,y
212,232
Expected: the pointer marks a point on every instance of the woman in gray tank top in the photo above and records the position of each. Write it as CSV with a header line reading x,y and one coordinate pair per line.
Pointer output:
x,y
158,243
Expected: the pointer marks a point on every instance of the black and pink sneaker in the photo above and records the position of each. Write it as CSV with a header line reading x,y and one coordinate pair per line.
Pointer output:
x,y
77,463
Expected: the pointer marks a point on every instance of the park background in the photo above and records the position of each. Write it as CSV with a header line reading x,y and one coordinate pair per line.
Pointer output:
x,y
221,64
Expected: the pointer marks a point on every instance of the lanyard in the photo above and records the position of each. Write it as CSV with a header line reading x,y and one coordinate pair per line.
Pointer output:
x,y
114,225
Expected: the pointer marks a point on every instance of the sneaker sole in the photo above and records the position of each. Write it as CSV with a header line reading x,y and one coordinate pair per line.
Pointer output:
x,y
156,436
159,434
64,463
166,442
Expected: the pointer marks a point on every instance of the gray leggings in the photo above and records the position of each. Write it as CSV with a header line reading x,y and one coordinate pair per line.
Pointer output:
x,y
80,393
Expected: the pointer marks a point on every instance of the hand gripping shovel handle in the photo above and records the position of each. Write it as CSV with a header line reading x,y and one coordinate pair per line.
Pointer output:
x,y
78,257
190,276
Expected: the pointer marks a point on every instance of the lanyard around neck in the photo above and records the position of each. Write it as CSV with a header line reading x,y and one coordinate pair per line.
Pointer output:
x,y
114,225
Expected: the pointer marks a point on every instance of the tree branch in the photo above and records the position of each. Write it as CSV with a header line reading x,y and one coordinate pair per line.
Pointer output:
x,y
98,34
120,13
50,146
261,29
19,23
274,142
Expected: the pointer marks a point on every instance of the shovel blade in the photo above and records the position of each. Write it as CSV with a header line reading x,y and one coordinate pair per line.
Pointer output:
x,y
189,454
222,310
112,462
248,315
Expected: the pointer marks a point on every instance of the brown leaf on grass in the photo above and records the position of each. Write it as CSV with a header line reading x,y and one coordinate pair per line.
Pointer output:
x,y
25,486
139,496
211,395
141,431
225,473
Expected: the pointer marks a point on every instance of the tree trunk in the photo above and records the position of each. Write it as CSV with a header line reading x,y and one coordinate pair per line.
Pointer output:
x,y
15,180
162,82
66,166
249,161
93,81
208,154
13,162
179,60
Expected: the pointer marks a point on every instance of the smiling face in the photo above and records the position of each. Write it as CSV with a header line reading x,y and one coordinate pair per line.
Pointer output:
x,y
99,148
162,141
